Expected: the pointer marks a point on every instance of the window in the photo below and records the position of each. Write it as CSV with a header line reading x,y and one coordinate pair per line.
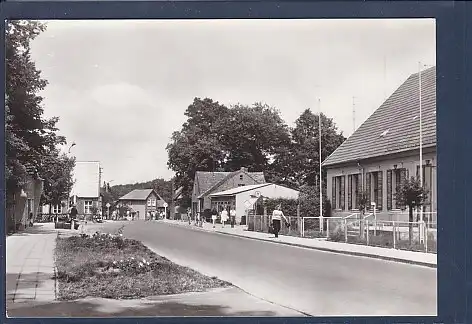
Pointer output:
x,y
151,202
338,200
427,180
374,182
241,185
395,178
56,209
353,191
240,177
88,207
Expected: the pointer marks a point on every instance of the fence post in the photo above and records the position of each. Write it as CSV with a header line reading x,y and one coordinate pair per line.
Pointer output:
x,y
345,230
394,235
426,240
298,219
327,227
367,235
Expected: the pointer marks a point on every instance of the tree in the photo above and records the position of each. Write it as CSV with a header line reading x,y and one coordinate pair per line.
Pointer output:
x,y
217,138
29,136
56,170
303,156
412,194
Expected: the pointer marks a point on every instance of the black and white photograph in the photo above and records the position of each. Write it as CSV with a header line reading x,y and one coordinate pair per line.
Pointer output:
x,y
221,168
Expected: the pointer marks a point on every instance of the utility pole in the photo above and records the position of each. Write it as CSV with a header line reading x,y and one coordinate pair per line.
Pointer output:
x,y
172,208
319,153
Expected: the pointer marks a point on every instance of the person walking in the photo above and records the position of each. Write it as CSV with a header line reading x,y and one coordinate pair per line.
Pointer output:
x,y
276,218
214,215
224,216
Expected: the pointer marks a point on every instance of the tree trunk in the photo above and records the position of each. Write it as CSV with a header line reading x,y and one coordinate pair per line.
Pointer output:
x,y
410,224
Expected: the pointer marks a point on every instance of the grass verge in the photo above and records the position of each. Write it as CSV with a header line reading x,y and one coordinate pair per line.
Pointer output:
x,y
110,266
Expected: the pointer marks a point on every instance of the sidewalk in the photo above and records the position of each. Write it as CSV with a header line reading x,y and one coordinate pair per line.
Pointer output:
x,y
30,267
419,258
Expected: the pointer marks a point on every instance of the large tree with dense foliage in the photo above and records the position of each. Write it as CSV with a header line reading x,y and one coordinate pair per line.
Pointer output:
x,y
218,138
57,171
299,165
30,137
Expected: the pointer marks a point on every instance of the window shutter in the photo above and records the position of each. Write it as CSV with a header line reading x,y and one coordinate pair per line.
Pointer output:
x,y
349,192
367,188
334,193
389,190
343,192
379,201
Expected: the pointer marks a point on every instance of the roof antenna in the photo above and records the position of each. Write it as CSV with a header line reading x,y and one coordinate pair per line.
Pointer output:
x,y
353,115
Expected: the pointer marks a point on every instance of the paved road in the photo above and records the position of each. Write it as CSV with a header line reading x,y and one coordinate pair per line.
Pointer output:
x,y
313,282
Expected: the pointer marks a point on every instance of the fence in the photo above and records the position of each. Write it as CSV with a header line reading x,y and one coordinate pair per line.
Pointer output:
x,y
260,223
366,230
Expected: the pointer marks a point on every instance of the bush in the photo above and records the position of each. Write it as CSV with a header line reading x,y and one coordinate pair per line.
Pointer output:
x,y
289,206
337,235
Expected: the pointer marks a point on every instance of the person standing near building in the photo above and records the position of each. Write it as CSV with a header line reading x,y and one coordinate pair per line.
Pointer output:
x,y
214,215
224,216
276,218
232,214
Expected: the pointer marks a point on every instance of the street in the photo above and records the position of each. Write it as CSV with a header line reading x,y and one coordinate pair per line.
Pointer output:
x,y
312,282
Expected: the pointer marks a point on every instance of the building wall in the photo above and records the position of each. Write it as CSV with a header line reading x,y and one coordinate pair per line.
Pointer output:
x,y
239,179
80,204
409,161
18,214
137,206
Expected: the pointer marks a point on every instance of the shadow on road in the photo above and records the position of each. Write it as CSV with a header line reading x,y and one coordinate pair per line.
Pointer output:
x,y
89,309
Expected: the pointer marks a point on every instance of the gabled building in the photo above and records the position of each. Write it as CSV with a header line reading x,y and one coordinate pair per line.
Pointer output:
x,y
384,151
244,198
206,183
85,192
142,201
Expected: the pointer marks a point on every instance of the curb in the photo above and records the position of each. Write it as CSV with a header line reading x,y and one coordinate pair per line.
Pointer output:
x,y
368,255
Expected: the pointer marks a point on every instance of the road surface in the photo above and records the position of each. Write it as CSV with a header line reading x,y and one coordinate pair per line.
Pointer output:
x,y
312,282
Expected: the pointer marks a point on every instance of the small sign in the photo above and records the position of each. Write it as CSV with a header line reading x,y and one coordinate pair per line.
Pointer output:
x,y
165,205
108,205
247,204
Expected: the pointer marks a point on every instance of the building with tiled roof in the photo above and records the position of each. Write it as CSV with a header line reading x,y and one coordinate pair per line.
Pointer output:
x,y
384,151
206,183
142,202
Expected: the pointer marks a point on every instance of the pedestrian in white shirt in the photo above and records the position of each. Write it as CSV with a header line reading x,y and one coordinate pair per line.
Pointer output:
x,y
276,218
224,216
232,214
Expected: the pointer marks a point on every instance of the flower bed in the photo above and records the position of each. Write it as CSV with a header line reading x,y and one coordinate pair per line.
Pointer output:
x,y
110,266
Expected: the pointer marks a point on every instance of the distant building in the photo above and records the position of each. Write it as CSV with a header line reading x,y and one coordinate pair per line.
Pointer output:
x,y
384,151
26,203
243,198
85,192
206,183
142,201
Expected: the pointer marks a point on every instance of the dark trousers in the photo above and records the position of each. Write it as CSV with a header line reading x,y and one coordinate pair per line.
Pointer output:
x,y
276,225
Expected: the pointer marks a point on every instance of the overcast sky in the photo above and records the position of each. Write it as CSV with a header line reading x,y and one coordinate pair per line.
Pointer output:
x,y
121,87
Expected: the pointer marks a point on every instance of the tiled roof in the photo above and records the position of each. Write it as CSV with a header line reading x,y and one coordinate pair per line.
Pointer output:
x,y
394,126
206,181
237,190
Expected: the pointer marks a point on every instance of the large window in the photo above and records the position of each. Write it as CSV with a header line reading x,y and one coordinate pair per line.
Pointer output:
x,y
338,200
353,191
374,183
395,178
88,207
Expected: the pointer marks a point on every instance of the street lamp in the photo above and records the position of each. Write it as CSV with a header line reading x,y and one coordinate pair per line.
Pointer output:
x,y
72,145
420,68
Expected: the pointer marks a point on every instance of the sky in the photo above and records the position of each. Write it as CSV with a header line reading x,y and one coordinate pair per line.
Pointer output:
x,y
121,87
